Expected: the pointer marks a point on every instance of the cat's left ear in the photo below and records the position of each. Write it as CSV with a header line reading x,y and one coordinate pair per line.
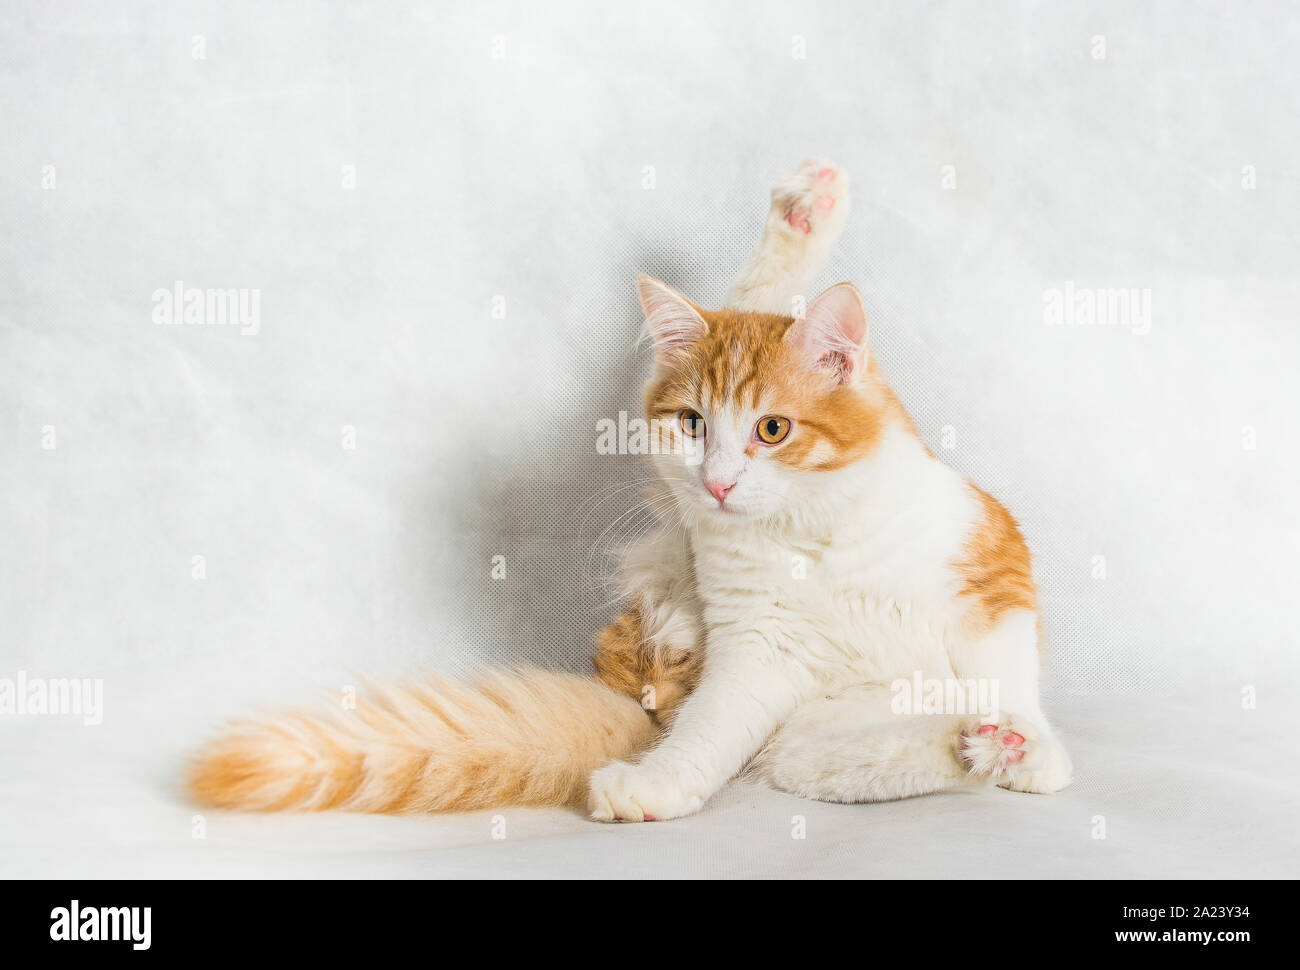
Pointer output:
x,y
672,322
833,333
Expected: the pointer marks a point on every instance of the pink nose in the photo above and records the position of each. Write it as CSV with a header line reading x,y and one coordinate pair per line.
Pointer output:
x,y
718,490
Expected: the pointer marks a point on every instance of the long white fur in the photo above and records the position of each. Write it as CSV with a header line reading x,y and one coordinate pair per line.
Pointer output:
x,y
812,600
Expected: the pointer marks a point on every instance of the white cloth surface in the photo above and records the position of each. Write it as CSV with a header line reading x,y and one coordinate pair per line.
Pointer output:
x,y
385,179
1202,802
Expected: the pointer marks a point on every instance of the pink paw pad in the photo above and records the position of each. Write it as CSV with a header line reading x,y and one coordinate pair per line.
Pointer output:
x,y
997,748
810,196
1012,741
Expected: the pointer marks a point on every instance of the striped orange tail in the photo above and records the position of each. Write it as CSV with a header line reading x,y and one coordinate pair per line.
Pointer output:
x,y
506,738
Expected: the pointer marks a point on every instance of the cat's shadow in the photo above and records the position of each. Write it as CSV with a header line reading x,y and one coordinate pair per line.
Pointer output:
x,y
542,525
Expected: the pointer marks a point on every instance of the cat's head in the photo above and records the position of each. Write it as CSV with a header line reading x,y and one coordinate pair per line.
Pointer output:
x,y
757,407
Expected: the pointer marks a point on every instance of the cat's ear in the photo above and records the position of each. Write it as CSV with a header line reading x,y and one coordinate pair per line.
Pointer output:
x,y
672,322
833,333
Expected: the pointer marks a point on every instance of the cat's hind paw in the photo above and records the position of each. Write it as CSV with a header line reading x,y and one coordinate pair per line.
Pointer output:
x,y
1016,755
992,749
1050,771
812,201
995,750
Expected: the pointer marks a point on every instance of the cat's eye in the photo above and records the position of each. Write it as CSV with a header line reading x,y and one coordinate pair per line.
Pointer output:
x,y
772,429
692,423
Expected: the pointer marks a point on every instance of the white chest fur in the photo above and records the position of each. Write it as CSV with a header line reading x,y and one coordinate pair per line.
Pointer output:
x,y
866,590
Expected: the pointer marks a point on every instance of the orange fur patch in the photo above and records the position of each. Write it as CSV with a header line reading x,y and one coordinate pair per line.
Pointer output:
x,y
996,568
629,663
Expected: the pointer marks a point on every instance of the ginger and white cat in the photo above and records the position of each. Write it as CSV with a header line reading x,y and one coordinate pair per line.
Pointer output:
x,y
814,553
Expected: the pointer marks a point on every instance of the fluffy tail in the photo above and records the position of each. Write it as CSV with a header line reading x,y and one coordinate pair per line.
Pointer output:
x,y
507,738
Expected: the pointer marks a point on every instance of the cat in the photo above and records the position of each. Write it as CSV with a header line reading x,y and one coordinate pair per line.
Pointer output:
x,y
813,555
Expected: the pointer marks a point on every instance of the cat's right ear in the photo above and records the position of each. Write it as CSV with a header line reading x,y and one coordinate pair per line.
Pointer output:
x,y
672,322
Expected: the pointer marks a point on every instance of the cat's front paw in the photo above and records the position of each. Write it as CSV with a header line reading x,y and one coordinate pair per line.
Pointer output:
x,y
621,792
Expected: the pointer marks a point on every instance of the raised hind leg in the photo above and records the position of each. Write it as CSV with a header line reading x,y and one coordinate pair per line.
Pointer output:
x,y
806,218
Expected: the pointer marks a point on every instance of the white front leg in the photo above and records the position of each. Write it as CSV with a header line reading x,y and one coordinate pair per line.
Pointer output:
x,y
750,685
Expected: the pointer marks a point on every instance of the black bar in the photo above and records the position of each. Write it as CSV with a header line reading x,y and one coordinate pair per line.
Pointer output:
x,y
332,918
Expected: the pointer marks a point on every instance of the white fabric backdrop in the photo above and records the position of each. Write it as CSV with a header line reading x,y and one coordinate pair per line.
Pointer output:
x,y
502,155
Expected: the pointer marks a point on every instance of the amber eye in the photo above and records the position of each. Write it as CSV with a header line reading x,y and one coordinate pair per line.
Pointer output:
x,y
771,430
692,423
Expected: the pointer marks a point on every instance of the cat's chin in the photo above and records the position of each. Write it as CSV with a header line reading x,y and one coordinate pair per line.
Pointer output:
x,y
734,514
